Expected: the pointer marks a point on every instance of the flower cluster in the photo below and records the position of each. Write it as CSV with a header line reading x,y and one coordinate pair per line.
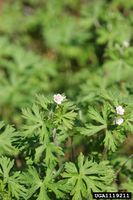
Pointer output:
x,y
120,111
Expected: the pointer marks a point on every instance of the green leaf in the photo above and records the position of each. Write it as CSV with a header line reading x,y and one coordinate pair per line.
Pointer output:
x,y
91,129
5,167
44,186
109,141
98,122
52,153
34,119
38,153
28,178
96,116
43,194
65,116
43,101
7,137
11,181
113,139
87,176
14,186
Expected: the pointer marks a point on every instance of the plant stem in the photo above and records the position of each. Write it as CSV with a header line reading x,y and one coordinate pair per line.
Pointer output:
x,y
118,171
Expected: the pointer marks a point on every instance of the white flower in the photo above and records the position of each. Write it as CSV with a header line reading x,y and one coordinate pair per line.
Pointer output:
x,y
119,121
125,44
120,110
58,98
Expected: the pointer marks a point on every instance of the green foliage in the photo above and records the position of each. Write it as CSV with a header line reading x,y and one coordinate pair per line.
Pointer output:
x,y
42,140
87,176
46,186
10,184
104,122
83,51
7,138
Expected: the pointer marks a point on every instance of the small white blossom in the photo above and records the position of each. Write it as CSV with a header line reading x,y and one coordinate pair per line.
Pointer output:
x,y
120,110
58,98
119,121
125,44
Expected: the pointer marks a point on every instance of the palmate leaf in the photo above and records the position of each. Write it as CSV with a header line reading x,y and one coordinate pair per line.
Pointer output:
x,y
7,137
87,176
51,151
45,185
11,183
37,119
34,119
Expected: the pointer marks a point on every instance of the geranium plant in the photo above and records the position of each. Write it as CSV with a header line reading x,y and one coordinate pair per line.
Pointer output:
x,y
66,98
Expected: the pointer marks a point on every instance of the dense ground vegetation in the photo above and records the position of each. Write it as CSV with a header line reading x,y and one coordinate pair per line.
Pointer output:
x,y
66,98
